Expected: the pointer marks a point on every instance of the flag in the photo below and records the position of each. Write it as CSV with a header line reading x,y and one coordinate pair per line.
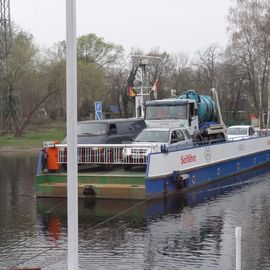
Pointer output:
x,y
131,92
155,88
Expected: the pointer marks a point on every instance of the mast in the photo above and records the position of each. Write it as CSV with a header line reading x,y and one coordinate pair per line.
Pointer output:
x,y
143,91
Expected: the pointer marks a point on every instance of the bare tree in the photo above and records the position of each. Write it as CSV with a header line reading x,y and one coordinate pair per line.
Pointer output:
x,y
206,67
250,39
24,82
181,75
231,83
160,68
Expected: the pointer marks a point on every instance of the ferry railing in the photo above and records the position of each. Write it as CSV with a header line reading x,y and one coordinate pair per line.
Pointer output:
x,y
108,154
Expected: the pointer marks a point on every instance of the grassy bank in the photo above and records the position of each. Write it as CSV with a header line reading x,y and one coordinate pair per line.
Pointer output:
x,y
32,139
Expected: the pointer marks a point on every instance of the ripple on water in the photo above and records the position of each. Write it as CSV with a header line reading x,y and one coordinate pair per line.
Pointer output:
x,y
195,231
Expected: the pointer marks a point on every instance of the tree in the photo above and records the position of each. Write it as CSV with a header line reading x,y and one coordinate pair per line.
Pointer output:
x,y
159,67
250,38
54,75
118,93
231,83
92,86
181,75
94,50
23,82
206,68
95,59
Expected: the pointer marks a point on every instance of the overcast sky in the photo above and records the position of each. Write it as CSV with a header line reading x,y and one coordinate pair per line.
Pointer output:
x,y
171,25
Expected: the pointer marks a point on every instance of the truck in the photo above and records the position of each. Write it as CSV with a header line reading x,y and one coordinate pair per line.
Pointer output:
x,y
199,114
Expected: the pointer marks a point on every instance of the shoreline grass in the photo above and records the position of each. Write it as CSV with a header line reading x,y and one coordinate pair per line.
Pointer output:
x,y
32,138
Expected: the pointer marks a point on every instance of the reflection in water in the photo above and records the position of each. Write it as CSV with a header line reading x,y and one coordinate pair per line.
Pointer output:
x,y
17,204
195,231
54,227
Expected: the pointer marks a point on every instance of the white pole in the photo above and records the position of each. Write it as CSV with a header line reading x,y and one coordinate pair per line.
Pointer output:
x,y
136,106
142,94
268,101
238,247
72,166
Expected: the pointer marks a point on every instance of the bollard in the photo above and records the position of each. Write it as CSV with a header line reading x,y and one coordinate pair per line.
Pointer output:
x,y
238,247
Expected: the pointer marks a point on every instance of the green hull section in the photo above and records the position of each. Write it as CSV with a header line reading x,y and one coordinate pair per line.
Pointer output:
x,y
116,184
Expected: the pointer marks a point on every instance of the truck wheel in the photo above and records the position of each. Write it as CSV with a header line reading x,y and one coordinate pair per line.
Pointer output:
x,y
127,167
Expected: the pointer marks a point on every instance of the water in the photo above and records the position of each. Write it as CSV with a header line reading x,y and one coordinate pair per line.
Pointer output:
x,y
191,232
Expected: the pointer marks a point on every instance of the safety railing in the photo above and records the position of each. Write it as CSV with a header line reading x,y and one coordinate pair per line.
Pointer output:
x,y
109,153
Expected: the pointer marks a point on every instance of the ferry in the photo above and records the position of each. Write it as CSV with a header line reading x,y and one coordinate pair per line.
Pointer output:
x,y
159,174
146,169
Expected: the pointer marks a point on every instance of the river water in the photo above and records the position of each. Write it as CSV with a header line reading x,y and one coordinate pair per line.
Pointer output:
x,y
195,231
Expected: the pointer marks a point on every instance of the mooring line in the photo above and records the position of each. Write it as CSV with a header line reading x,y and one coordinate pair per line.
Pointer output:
x,y
55,207
118,214
113,217
37,235
34,256
91,228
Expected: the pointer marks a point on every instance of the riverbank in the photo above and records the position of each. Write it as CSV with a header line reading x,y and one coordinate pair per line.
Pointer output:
x,y
32,140
14,150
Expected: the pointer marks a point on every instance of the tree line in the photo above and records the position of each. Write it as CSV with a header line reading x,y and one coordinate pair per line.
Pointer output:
x,y
32,81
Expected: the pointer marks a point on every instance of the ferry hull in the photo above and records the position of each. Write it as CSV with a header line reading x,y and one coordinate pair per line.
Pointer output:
x,y
115,185
182,170
180,182
166,173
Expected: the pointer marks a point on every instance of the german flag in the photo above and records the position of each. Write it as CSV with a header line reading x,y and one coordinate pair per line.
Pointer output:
x,y
131,92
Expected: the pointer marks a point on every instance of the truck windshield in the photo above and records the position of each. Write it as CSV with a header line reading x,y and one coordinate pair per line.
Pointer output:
x,y
166,111
92,129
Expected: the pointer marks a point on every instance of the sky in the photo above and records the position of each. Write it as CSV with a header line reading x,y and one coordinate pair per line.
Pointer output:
x,y
171,25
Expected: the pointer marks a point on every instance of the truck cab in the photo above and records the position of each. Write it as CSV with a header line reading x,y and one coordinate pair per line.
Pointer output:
x,y
199,114
172,113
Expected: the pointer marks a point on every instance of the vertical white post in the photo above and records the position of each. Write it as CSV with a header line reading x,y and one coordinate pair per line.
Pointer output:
x,y
1,112
268,101
142,93
238,247
72,166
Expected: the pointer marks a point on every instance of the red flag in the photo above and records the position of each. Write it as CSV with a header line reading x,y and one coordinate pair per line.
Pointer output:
x,y
131,92
155,88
